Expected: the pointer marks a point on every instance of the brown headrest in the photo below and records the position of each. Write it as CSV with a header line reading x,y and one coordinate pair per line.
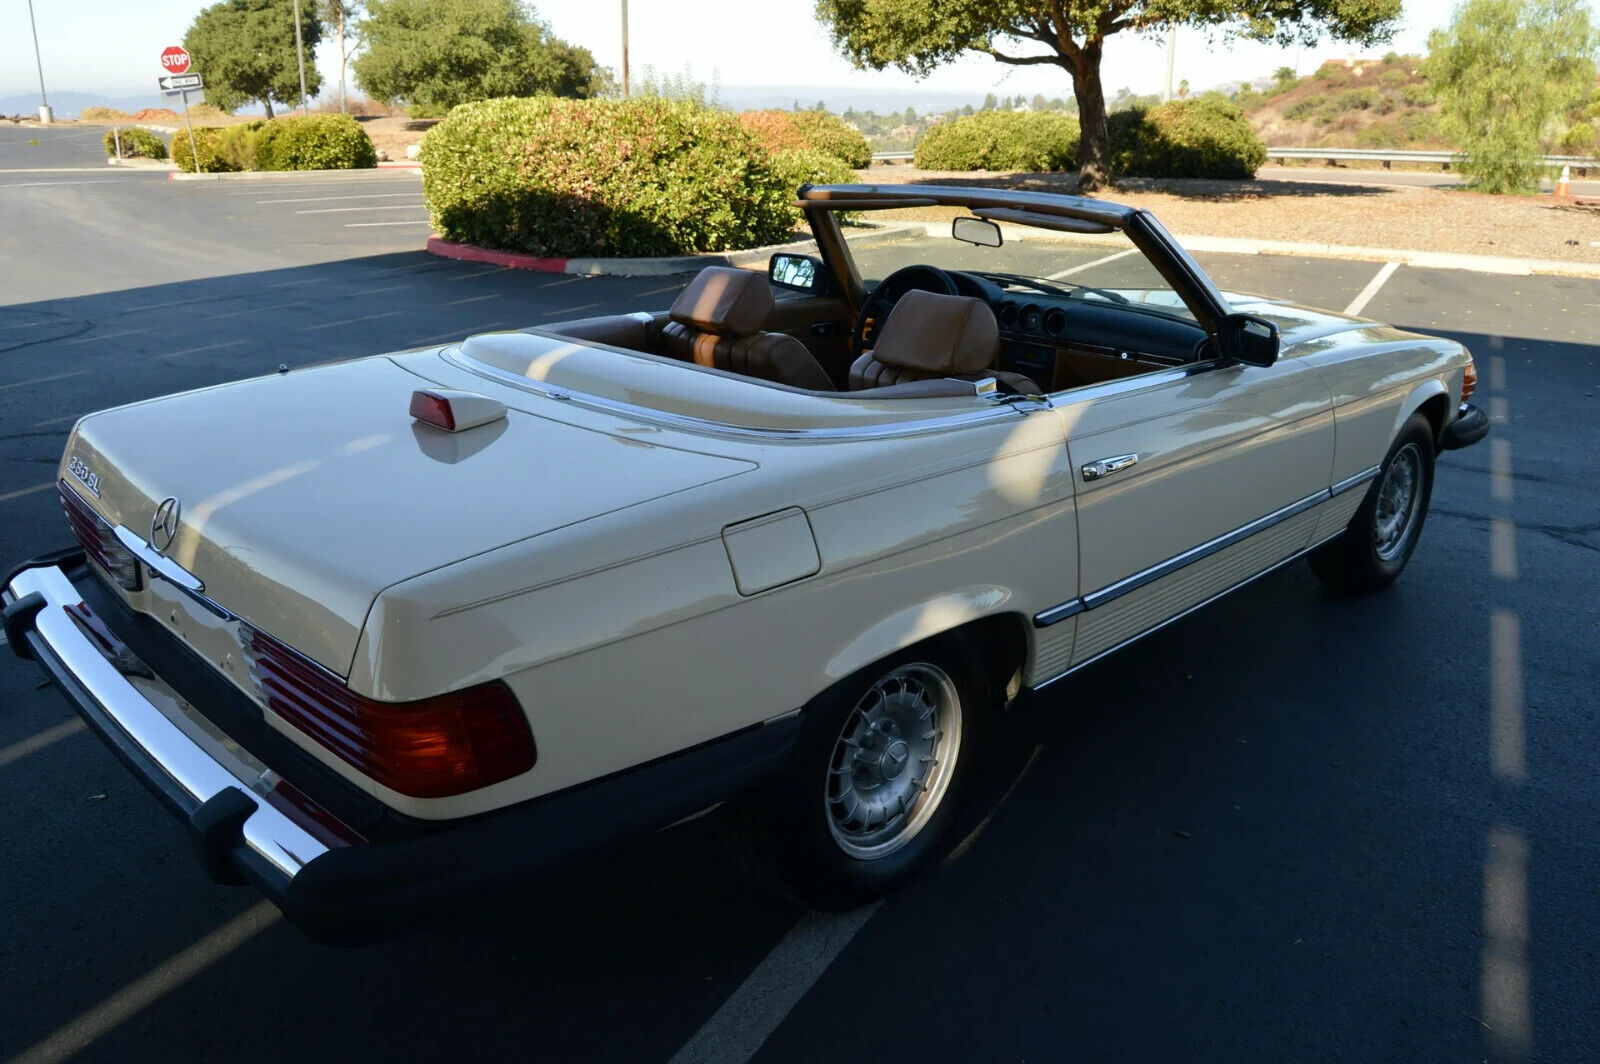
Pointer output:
x,y
931,333
725,301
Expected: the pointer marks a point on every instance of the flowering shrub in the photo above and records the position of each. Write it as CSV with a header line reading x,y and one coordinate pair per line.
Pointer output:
x,y
815,130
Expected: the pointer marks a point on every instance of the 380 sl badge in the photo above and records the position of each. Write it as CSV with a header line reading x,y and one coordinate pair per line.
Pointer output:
x,y
89,478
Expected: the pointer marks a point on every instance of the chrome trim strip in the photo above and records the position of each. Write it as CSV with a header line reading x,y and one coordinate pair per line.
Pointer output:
x,y
694,424
1069,608
159,564
267,831
1354,482
1086,662
1132,583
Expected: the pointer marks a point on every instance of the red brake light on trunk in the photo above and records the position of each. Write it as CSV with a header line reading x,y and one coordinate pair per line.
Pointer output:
x,y
97,539
433,748
430,408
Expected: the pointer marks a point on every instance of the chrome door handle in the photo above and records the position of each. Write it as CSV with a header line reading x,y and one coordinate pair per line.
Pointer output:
x,y
1106,466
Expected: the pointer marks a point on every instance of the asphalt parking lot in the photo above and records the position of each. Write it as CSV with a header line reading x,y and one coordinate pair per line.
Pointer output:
x,y
1295,826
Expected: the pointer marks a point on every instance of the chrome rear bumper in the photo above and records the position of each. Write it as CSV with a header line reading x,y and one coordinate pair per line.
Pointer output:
x,y
216,791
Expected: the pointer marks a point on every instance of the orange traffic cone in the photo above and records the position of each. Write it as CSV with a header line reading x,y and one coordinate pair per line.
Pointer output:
x,y
1564,185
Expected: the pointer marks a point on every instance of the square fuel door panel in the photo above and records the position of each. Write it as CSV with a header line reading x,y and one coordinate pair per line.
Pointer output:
x,y
766,552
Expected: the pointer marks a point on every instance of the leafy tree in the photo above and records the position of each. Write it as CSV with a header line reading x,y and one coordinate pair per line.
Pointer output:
x,y
966,109
1039,103
245,51
1284,76
989,101
1503,71
340,17
434,54
1183,89
920,35
910,116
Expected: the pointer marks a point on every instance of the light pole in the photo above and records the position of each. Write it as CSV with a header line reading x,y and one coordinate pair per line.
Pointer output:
x,y
624,48
299,56
45,117
1172,54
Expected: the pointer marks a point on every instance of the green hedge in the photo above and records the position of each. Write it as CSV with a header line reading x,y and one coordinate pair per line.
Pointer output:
x,y
1000,140
314,142
1204,137
205,141
816,130
136,142
603,177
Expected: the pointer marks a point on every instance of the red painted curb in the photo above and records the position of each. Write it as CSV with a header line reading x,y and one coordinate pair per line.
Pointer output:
x,y
514,260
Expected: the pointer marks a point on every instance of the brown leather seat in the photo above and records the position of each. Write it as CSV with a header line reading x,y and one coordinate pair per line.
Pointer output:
x,y
929,336
716,322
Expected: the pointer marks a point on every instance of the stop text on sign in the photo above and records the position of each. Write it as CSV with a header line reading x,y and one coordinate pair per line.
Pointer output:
x,y
174,60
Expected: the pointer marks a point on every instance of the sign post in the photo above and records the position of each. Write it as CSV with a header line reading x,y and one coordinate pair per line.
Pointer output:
x,y
177,79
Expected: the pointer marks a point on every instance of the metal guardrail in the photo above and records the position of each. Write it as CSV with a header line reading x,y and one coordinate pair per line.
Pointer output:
x,y
1579,163
1444,159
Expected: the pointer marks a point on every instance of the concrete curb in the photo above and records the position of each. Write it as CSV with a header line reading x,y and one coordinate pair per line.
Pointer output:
x,y
652,267
1227,245
294,175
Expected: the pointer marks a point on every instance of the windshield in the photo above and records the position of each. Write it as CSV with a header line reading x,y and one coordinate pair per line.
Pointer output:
x,y
1031,264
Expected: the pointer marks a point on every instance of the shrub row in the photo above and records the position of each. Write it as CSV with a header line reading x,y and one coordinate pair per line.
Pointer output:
x,y
1000,140
313,142
819,131
1208,136
136,142
636,177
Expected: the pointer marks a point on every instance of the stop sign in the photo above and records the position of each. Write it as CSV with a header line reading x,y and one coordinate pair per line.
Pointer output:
x,y
174,60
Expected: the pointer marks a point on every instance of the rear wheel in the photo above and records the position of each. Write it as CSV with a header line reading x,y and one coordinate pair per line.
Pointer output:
x,y
874,780
1373,550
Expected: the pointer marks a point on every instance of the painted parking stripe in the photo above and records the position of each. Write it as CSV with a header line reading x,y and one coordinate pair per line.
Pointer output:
x,y
1359,303
325,199
379,225
351,210
35,743
474,299
82,1031
105,336
1091,265
748,1018
41,380
351,321
20,492
202,350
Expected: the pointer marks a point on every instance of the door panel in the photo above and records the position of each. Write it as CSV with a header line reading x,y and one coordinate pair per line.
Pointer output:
x,y
1214,450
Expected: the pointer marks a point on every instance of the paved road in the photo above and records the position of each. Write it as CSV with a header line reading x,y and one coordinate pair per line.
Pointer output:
x,y
44,147
1339,175
1273,831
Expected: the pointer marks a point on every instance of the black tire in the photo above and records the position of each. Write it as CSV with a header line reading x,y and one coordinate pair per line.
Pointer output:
x,y
1357,560
782,830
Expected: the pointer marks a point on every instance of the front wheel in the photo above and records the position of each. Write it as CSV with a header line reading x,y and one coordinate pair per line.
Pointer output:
x,y
1374,548
874,779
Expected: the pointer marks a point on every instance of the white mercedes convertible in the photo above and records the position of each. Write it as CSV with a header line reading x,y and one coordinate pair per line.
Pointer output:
x,y
388,633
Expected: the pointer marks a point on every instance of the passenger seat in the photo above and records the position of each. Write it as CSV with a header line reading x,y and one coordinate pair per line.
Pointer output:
x,y
716,322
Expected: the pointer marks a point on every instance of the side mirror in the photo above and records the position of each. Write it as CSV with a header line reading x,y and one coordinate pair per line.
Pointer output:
x,y
979,231
1248,339
803,273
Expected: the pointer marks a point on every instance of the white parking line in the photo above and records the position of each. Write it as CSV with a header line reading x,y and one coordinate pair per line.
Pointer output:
x,y
748,1018
375,291
1090,265
201,350
379,225
474,299
1503,548
79,1033
1508,756
19,493
478,273
53,184
351,321
16,751
351,210
1503,981
105,336
324,199
41,380
1361,300
459,334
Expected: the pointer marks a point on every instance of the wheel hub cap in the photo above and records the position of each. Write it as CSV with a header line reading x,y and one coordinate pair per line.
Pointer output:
x,y
1397,503
892,763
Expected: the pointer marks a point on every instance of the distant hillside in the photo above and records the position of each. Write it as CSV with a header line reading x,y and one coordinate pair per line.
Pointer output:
x,y
1382,103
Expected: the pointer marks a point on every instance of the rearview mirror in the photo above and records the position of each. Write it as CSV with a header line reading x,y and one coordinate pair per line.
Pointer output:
x,y
800,272
1247,339
979,231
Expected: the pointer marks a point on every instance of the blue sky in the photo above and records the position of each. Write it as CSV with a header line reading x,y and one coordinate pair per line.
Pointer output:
x,y
110,47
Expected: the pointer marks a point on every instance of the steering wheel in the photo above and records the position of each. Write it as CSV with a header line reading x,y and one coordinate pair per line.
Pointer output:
x,y
875,311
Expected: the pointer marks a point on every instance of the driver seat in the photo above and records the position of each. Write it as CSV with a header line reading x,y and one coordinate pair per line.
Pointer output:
x,y
929,336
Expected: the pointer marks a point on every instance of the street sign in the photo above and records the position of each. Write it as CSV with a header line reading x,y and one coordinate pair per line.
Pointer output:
x,y
174,60
171,83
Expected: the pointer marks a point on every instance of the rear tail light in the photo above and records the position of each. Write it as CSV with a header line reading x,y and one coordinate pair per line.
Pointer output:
x,y
433,748
98,541
1469,381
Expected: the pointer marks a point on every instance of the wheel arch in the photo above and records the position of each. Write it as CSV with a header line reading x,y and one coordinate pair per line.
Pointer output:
x,y
1431,399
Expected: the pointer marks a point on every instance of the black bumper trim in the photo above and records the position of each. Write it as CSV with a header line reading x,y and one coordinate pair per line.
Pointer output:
x,y
1470,426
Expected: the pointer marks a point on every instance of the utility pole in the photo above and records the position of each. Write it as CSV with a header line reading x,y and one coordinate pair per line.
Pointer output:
x,y
45,117
299,56
1172,54
624,48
